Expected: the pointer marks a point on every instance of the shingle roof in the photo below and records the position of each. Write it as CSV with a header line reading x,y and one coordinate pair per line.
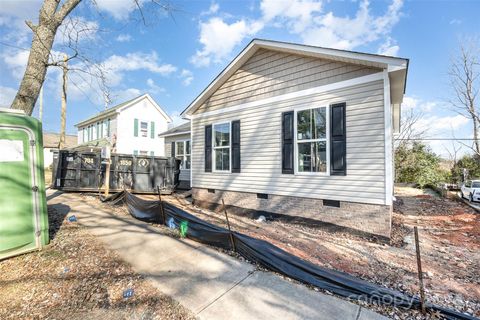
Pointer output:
x,y
109,110
181,129
51,140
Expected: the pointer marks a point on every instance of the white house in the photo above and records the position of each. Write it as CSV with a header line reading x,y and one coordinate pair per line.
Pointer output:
x,y
300,131
131,127
51,142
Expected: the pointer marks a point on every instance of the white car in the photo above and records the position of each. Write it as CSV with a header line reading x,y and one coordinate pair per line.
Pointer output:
x,y
471,190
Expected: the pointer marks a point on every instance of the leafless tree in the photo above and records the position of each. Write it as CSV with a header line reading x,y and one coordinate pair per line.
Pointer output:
x,y
409,128
51,16
464,76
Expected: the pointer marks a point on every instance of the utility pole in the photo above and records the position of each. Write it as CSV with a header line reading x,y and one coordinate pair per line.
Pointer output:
x,y
40,108
63,119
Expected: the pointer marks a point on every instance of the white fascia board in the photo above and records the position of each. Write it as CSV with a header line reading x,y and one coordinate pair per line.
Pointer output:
x,y
333,53
93,120
230,69
388,140
296,94
174,134
152,101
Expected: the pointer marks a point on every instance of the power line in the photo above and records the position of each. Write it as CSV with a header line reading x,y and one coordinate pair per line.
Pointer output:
x,y
438,139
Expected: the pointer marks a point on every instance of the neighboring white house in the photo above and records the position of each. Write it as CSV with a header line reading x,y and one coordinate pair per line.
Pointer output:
x,y
301,131
178,144
50,145
131,127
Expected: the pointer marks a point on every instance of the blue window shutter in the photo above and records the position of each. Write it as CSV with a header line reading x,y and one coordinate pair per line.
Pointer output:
x,y
152,130
135,152
152,153
135,127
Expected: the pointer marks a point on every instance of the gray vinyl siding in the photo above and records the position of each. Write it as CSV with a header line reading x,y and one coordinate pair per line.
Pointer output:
x,y
270,73
184,174
261,149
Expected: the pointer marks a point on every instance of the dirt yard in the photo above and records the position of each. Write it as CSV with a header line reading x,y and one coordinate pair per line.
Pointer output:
x,y
76,278
449,234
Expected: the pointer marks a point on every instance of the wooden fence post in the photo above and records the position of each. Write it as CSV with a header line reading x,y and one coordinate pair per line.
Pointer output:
x,y
420,273
228,224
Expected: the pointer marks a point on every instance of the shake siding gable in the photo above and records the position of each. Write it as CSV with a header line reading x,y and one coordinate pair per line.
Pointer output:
x,y
270,73
261,147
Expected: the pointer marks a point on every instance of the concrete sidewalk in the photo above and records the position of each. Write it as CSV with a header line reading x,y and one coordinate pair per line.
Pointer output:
x,y
211,284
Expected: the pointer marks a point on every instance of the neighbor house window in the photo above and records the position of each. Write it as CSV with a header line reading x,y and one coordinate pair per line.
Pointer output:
x,y
312,140
182,152
144,128
143,152
221,146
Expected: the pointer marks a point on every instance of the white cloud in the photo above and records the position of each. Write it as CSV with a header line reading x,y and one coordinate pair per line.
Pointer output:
x,y
119,9
296,14
154,88
455,21
115,65
440,126
389,48
124,38
176,119
347,33
187,77
419,104
76,29
16,62
305,19
212,9
124,95
6,96
219,38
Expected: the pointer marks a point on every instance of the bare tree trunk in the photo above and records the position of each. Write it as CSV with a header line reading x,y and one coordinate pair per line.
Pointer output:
x,y
465,81
43,36
63,119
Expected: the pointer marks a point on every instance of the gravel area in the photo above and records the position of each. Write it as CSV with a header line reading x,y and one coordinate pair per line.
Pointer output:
x,y
75,277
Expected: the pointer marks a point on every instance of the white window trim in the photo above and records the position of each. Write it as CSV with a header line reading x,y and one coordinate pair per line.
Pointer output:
x,y
229,147
140,132
183,156
327,140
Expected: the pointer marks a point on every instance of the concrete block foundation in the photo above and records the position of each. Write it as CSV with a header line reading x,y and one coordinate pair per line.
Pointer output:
x,y
356,217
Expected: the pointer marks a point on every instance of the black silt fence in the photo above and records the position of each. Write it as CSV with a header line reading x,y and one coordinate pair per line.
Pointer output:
x,y
272,257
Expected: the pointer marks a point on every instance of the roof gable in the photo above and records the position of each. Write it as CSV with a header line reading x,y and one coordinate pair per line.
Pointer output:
x,y
122,106
369,60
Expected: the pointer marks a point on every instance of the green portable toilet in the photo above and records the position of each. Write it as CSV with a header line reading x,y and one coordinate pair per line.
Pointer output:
x,y
23,206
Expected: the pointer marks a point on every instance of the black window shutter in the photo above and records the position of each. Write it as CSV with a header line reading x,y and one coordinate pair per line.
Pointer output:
x,y
338,140
208,148
236,146
173,148
287,142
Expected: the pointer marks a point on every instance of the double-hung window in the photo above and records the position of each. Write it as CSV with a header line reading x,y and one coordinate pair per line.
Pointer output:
x,y
311,140
221,146
182,152
144,128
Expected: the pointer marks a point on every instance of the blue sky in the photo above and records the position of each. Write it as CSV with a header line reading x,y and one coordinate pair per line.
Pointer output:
x,y
176,54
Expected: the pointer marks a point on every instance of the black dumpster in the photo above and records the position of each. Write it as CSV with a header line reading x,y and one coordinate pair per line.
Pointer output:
x,y
84,171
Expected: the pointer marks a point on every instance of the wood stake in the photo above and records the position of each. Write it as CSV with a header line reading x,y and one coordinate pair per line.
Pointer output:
x,y
420,273
228,224
107,178
161,206
63,118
